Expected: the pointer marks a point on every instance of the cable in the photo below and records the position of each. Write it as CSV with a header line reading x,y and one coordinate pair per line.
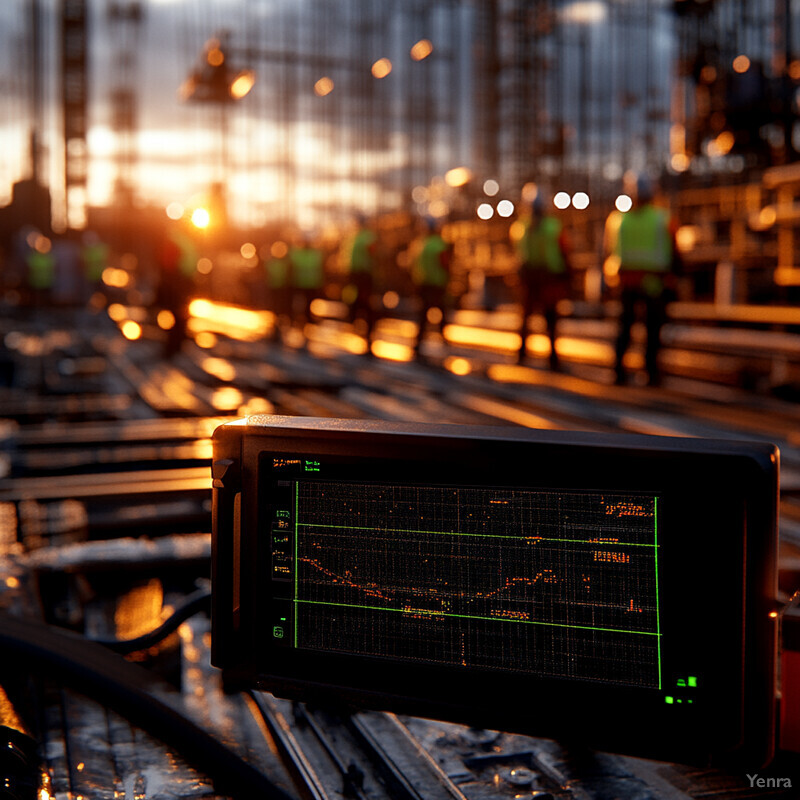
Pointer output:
x,y
127,689
198,601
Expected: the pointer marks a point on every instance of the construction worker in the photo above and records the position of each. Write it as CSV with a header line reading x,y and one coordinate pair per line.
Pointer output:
x,y
642,247
430,273
360,261
544,271
94,255
41,269
94,260
308,278
177,260
277,272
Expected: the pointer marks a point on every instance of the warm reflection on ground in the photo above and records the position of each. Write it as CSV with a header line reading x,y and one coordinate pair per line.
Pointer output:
x,y
233,321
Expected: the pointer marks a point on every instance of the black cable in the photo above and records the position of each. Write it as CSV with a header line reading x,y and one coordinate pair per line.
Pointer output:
x,y
198,601
127,688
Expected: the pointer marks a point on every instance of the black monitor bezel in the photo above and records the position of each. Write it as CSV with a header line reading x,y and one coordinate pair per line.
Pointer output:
x,y
725,491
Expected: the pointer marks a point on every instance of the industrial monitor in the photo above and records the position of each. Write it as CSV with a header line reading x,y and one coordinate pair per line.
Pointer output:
x,y
616,590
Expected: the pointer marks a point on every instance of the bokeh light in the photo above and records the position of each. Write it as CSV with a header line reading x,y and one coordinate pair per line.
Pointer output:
x,y
562,200
201,218
381,68
580,200
175,210
421,49
741,64
623,203
323,86
505,208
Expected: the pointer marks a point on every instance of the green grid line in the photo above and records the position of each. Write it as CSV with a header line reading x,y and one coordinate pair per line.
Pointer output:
x,y
484,535
488,619
296,559
655,566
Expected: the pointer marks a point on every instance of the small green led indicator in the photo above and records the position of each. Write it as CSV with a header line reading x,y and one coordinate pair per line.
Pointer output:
x,y
669,700
692,681
283,619
690,701
681,682
679,700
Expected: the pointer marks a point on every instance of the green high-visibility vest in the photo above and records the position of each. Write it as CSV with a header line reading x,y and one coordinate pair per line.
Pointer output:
x,y
307,266
539,246
41,269
277,273
361,259
428,269
644,241
95,257
187,264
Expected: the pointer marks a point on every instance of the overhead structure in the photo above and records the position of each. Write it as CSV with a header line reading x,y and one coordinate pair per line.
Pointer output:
x,y
74,106
736,85
573,93
353,105
125,18
357,105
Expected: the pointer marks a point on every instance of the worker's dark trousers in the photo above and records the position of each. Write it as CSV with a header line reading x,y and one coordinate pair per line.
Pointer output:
x,y
541,291
634,299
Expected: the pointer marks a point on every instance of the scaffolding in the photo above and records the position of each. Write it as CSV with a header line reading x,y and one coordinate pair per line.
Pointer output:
x,y
124,19
351,116
74,103
735,88
360,102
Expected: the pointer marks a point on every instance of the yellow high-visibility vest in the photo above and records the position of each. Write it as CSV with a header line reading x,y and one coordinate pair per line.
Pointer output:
x,y
644,241
539,246
41,269
428,269
361,259
307,266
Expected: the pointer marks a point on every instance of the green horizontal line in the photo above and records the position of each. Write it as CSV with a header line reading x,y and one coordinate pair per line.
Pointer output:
x,y
485,535
489,619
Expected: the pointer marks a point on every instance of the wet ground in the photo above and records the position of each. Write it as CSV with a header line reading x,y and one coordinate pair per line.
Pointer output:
x,y
105,523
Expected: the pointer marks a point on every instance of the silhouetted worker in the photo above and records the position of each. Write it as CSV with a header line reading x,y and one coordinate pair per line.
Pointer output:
x,y
94,255
642,242
41,269
430,273
308,278
361,261
177,261
277,273
544,272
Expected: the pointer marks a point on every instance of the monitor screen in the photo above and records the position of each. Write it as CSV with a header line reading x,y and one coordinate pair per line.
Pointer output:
x,y
550,583
613,589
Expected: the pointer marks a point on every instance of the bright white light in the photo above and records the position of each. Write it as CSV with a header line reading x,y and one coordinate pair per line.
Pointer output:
x,y
623,203
491,187
201,218
580,200
561,200
485,211
505,208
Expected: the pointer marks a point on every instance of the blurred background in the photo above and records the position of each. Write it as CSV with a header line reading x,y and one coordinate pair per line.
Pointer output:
x,y
277,117
252,126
